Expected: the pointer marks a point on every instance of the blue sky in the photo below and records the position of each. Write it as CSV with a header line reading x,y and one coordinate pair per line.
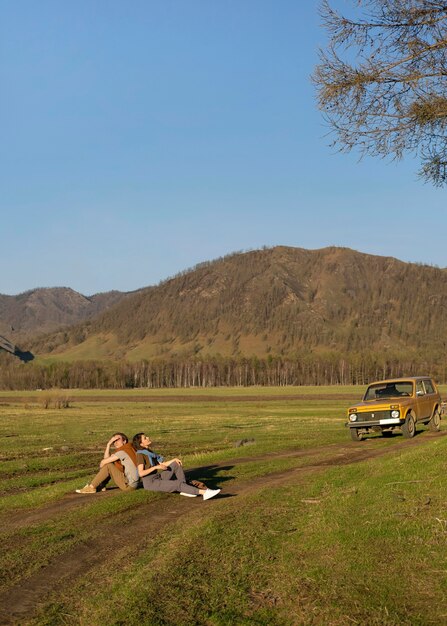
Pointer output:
x,y
140,138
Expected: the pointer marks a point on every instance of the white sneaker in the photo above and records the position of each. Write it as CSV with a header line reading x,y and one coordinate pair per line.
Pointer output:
x,y
210,493
188,495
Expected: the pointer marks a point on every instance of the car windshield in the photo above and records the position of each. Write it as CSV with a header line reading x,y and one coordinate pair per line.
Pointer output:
x,y
389,390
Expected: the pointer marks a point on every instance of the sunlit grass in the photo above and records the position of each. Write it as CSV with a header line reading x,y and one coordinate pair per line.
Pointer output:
x,y
331,545
343,546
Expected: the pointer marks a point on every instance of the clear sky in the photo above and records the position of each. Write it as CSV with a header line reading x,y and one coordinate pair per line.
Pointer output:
x,y
139,138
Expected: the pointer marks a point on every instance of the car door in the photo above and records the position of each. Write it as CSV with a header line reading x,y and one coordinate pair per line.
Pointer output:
x,y
422,401
430,395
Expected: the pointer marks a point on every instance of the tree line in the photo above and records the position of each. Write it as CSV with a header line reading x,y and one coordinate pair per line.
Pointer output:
x,y
307,369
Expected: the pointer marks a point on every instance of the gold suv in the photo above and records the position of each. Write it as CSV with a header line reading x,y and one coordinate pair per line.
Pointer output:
x,y
396,403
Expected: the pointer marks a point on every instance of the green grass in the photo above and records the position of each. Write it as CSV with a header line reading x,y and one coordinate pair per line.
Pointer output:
x,y
48,445
363,543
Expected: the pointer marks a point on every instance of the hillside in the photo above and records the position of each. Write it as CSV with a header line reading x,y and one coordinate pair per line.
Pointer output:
x,y
272,301
45,310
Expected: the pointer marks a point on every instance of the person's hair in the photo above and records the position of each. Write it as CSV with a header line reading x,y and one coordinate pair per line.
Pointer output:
x,y
136,441
125,437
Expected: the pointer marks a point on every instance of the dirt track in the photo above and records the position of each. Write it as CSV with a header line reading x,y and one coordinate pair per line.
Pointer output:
x,y
20,602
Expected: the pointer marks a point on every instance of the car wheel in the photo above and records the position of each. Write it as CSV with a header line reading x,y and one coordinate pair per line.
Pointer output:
x,y
409,427
435,422
356,435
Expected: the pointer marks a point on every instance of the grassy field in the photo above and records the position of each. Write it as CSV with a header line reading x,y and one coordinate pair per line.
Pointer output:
x,y
310,528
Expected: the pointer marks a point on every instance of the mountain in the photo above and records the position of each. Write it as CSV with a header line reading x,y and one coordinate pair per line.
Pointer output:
x,y
45,310
281,300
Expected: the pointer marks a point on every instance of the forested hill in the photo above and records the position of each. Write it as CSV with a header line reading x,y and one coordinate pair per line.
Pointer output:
x,y
47,309
278,301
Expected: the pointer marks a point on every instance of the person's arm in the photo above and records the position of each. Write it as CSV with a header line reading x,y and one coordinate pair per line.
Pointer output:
x,y
110,459
150,470
107,450
172,461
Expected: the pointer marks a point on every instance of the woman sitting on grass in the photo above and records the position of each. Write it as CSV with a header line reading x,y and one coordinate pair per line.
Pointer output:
x,y
167,476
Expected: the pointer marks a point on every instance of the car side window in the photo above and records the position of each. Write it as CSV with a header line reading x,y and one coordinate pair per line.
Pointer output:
x,y
420,391
428,386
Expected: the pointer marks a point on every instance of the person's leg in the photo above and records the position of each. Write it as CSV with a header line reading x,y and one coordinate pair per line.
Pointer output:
x,y
119,477
106,473
168,485
175,472
102,478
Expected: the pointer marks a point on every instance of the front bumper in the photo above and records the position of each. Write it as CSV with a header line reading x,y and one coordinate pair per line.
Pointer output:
x,y
387,421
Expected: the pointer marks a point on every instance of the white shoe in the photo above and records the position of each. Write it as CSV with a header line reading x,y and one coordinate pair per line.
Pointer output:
x,y
210,493
188,495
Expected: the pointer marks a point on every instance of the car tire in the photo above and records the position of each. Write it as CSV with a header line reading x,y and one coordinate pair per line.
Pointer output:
x,y
356,435
435,422
409,427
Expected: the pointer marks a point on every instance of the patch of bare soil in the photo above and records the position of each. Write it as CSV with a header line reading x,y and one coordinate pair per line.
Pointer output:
x,y
20,602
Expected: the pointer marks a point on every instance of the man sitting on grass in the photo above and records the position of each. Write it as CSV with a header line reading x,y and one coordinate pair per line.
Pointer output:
x,y
121,466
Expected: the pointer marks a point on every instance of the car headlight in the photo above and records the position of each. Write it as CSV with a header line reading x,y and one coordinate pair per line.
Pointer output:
x,y
353,417
395,413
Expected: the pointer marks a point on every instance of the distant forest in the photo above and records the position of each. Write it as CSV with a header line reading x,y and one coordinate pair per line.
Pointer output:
x,y
310,369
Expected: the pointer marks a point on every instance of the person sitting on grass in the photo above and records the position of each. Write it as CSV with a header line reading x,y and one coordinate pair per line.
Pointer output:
x,y
121,465
167,476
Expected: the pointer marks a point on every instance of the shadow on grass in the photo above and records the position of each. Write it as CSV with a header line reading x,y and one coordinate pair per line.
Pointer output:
x,y
397,434
209,474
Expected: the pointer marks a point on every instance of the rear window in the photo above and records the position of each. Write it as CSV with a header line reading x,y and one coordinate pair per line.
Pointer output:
x,y
389,390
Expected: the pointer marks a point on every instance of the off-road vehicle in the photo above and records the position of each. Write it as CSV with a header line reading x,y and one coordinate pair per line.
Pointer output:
x,y
396,403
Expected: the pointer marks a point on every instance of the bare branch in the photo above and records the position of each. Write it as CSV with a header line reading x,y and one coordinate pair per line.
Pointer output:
x,y
389,65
